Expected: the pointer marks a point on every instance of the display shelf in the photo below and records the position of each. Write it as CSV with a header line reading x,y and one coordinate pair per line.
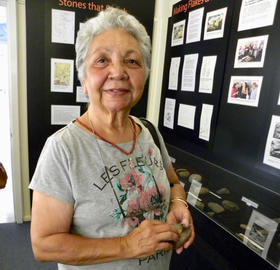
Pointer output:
x,y
247,211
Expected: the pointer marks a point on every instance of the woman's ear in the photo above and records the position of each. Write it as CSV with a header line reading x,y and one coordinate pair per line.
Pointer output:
x,y
85,87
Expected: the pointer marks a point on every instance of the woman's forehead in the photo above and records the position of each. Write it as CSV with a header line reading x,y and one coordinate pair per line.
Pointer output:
x,y
115,39
115,34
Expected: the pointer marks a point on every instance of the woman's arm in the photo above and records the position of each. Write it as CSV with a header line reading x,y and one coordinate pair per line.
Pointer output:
x,y
178,209
52,240
177,191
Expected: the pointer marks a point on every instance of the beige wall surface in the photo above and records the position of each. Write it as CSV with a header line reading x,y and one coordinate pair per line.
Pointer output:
x,y
23,108
162,12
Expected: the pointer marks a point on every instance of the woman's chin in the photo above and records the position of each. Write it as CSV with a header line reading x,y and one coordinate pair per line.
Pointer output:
x,y
118,107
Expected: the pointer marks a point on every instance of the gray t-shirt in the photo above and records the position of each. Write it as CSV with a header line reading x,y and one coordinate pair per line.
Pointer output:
x,y
110,195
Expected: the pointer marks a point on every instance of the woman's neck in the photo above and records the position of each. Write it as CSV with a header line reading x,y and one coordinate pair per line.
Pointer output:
x,y
117,128
107,119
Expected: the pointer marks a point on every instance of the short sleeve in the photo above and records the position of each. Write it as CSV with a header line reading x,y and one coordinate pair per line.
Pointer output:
x,y
51,175
164,153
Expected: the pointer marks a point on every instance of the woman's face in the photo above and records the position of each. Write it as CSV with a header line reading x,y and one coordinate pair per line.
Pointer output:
x,y
115,71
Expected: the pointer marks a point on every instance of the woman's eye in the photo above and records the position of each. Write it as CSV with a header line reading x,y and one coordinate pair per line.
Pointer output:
x,y
101,60
131,61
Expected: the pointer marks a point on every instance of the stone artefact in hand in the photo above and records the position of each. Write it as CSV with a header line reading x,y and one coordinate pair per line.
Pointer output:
x,y
185,233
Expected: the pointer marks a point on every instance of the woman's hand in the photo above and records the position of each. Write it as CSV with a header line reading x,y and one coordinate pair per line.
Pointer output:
x,y
179,213
150,237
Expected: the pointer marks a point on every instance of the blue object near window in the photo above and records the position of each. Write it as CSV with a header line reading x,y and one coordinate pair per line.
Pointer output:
x,y
3,33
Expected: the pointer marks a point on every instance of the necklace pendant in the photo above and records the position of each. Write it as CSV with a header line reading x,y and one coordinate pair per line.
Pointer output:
x,y
131,163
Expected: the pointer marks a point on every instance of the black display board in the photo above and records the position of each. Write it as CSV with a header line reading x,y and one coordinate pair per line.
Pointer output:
x,y
40,50
238,133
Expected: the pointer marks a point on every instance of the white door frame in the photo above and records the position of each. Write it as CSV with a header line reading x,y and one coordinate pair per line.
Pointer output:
x,y
14,108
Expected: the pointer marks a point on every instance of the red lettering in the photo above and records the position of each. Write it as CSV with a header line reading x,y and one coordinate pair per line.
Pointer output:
x,y
190,4
180,8
92,6
72,4
194,3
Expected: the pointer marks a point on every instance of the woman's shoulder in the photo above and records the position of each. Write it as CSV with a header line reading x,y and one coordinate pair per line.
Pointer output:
x,y
148,129
67,134
62,133
142,121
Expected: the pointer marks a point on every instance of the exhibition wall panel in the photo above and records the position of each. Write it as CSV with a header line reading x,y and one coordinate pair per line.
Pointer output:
x,y
220,115
54,95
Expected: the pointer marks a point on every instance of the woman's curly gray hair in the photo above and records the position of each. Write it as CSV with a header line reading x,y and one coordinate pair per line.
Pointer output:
x,y
108,19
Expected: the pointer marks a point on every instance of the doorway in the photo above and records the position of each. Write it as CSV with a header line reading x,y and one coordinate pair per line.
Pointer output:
x,y
7,214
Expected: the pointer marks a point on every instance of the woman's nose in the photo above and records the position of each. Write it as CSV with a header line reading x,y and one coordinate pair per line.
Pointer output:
x,y
118,71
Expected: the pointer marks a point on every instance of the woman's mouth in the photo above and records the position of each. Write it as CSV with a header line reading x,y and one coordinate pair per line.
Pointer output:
x,y
117,91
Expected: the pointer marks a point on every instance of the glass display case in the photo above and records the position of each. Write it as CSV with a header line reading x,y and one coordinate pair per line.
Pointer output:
x,y
248,212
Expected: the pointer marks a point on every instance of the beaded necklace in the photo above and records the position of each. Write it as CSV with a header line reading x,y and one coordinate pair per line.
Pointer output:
x,y
91,129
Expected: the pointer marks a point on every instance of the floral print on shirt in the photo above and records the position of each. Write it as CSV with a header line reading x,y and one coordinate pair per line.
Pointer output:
x,y
140,197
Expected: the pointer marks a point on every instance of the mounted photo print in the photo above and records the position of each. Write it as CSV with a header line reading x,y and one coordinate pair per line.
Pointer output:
x,y
178,33
250,52
245,90
272,148
259,233
62,72
215,24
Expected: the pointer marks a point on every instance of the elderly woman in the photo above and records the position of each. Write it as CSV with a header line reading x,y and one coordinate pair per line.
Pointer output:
x,y
105,196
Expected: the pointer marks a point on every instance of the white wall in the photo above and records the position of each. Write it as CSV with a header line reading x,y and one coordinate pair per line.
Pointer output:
x,y
22,88
163,10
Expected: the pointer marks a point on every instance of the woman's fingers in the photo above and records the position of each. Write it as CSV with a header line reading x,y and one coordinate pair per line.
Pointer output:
x,y
151,236
191,239
188,242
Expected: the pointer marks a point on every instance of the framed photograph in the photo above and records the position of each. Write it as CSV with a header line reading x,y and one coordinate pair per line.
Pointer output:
x,y
215,24
272,148
259,233
62,72
245,90
178,33
250,52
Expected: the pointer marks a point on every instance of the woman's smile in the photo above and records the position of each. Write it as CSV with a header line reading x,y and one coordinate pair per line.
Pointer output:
x,y
117,91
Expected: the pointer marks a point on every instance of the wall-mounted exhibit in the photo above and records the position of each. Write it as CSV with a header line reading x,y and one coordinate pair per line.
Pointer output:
x,y
220,116
55,96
